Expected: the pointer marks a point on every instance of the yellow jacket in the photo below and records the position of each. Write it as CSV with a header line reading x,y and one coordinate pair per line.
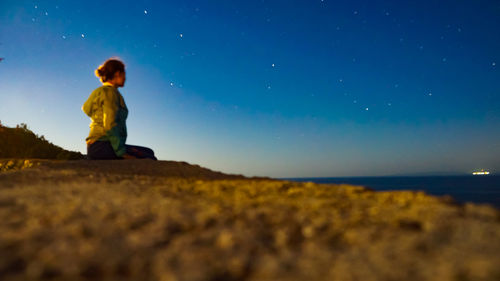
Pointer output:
x,y
108,112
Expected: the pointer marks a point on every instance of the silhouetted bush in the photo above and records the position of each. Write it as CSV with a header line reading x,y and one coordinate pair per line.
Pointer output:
x,y
21,142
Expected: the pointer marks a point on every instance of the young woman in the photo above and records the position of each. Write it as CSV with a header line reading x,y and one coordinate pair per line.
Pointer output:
x,y
108,112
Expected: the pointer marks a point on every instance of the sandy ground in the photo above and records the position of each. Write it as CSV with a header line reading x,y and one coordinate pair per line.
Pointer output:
x,y
165,220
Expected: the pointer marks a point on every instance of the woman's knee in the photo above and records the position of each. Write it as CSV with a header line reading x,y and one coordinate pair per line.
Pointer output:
x,y
142,149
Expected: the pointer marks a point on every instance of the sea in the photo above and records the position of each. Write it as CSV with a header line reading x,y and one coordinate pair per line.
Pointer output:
x,y
483,189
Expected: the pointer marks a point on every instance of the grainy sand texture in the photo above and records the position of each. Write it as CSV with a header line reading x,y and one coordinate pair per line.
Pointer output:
x,y
165,220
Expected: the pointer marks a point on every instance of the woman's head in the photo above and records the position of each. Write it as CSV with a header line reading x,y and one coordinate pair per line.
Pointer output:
x,y
112,71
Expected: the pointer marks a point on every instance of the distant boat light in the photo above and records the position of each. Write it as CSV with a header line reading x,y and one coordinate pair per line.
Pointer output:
x,y
482,172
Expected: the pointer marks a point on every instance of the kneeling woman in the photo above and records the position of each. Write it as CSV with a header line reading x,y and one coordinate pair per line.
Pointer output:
x,y
108,112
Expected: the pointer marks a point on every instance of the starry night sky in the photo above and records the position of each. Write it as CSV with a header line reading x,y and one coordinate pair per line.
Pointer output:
x,y
271,88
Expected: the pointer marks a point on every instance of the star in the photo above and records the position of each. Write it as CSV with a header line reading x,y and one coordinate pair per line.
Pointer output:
x,y
493,64
272,65
83,35
145,12
171,83
63,37
430,94
366,109
180,35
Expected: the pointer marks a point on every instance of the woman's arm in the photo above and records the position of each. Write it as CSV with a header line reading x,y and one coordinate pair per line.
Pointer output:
x,y
110,110
87,106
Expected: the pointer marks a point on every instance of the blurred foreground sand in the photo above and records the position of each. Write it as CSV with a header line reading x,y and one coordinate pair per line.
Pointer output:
x,y
165,220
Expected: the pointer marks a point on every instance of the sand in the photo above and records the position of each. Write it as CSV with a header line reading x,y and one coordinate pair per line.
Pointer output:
x,y
165,220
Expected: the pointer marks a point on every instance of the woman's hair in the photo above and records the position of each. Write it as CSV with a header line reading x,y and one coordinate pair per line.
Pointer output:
x,y
107,70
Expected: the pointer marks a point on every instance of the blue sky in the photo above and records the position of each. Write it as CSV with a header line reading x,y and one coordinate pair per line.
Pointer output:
x,y
269,88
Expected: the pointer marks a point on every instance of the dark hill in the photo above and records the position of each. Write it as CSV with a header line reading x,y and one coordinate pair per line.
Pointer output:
x,y
21,142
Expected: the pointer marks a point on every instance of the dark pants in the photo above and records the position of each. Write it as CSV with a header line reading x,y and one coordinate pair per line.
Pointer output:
x,y
102,150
